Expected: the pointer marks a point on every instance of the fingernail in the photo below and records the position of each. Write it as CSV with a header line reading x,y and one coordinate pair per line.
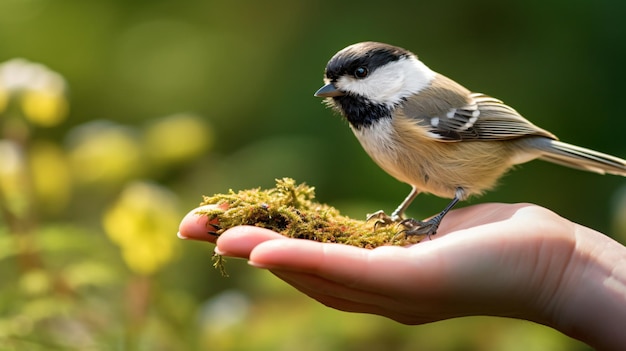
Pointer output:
x,y
258,265
217,251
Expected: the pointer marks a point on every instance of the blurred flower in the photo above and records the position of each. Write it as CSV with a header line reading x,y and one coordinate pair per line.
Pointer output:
x,y
177,138
104,153
44,108
50,175
141,222
37,89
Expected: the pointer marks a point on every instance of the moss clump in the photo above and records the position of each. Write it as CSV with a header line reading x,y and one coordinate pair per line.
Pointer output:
x,y
289,209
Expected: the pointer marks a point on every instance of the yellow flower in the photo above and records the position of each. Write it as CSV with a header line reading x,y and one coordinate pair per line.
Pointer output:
x,y
141,223
39,91
102,152
44,108
177,138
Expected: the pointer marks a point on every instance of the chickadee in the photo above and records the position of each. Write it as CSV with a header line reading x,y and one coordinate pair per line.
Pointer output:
x,y
426,130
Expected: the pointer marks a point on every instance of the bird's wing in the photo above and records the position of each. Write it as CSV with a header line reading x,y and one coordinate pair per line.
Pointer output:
x,y
482,118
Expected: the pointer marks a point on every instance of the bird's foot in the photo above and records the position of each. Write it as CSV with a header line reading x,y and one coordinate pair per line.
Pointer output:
x,y
410,226
382,219
415,227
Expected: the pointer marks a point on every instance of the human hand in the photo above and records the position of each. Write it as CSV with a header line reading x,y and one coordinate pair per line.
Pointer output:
x,y
518,260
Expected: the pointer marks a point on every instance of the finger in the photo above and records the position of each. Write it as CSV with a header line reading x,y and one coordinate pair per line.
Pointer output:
x,y
380,269
196,226
239,241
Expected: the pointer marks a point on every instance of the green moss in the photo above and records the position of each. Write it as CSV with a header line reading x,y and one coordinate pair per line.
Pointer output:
x,y
290,209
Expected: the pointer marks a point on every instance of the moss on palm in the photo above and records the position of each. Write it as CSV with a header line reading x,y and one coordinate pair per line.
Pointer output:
x,y
290,209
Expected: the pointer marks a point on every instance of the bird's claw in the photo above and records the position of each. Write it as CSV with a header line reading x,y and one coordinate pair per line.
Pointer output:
x,y
415,227
381,219
410,226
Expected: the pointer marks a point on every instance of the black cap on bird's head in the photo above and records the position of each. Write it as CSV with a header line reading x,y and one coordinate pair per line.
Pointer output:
x,y
358,60
369,55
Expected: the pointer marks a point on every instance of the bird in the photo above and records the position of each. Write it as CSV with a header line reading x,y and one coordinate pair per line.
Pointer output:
x,y
430,132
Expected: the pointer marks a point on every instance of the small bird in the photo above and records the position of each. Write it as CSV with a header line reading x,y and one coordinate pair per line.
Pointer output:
x,y
430,132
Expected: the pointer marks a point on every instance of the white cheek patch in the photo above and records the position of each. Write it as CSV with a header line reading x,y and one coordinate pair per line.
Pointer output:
x,y
380,87
391,83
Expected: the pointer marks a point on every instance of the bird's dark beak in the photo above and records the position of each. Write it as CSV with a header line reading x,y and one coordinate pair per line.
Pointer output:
x,y
328,90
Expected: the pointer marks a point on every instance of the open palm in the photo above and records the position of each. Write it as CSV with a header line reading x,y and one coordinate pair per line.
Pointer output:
x,y
513,260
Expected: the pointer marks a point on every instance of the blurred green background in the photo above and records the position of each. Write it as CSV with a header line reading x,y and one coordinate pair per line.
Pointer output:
x,y
116,116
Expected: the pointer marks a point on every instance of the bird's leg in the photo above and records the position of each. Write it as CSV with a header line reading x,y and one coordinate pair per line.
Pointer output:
x,y
429,227
397,215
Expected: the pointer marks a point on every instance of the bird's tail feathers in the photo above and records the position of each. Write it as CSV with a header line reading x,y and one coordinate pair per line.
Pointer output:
x,y
581,158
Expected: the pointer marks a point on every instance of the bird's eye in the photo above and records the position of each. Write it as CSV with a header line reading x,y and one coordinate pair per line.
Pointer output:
x,y
360,72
